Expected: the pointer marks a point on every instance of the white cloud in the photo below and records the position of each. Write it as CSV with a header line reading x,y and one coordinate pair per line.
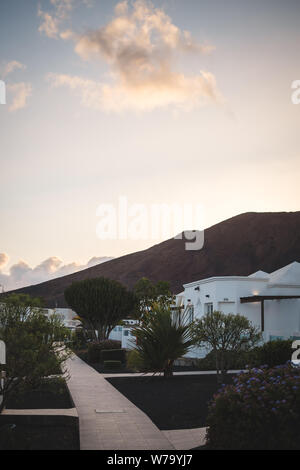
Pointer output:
x,y
141,46
10,67
49,24
3,260
22,275
20,93
52,20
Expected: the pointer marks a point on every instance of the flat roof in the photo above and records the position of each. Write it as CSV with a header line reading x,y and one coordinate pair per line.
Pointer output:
x,y
224,278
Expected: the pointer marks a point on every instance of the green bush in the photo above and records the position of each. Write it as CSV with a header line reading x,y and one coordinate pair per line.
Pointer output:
x,y
113,355
261,410
273,353
95,348
134,361
232,360
112,364
78,339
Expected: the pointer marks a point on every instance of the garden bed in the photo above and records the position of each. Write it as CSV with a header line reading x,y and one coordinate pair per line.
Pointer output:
x,y
49,395
178,402
41,419
99,367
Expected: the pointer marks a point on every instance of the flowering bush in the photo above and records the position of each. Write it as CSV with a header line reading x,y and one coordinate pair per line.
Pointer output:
x,y
261,410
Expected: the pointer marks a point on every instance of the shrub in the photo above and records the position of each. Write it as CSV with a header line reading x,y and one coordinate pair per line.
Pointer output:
x,y
112,364
272,353
232,360
31,341
261,410
78,339
95,348
134,361
162,338
224,333
113,355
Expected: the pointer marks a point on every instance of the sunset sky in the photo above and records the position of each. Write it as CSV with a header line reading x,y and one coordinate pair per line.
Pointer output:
x,y
174,101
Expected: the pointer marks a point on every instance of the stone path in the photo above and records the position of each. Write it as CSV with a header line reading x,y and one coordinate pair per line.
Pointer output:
x,y
185,439
107,419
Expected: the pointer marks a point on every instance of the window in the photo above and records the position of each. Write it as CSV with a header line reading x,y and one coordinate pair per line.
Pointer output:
x,y
126,332
209,307
191,314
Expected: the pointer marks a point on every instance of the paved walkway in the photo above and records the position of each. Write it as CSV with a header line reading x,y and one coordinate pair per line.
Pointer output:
x,y
107,419
185,439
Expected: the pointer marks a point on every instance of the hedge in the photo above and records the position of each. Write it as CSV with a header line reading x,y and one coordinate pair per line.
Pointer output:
x,y
113,355
95,348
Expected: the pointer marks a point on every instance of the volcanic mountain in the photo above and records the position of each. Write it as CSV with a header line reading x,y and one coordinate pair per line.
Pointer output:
x,y
238,246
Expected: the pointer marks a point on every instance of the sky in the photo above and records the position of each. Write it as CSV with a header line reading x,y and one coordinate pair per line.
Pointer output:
x,y
162,102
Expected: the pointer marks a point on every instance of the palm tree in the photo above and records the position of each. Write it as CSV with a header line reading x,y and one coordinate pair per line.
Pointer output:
x,y
163,338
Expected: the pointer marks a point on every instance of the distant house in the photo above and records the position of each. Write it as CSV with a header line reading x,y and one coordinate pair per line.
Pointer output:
x,y
66,315
123,333
270,301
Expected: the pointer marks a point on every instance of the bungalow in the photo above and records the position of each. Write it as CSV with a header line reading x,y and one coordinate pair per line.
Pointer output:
x,y
269,301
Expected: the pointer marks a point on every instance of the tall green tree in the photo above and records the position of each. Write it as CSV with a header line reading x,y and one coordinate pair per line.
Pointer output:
x,y
31,339
225,333
101,303
161,340
149,294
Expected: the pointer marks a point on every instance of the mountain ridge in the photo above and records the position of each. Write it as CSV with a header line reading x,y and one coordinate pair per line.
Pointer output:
x,y
238,246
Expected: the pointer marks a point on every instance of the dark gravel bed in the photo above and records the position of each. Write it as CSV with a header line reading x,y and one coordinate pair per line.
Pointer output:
x,y
178,402
53,396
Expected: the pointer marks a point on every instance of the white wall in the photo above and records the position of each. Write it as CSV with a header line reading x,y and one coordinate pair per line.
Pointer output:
x,y
282,317
67,315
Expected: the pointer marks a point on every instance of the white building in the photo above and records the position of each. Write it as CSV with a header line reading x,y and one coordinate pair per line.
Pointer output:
x,y
120,332
269,301
123,333
66,315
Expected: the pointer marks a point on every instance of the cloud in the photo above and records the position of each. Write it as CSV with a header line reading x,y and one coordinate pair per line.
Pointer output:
x,y
11,66
20,92
3,260
49,25
22,275
141,46
51,21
